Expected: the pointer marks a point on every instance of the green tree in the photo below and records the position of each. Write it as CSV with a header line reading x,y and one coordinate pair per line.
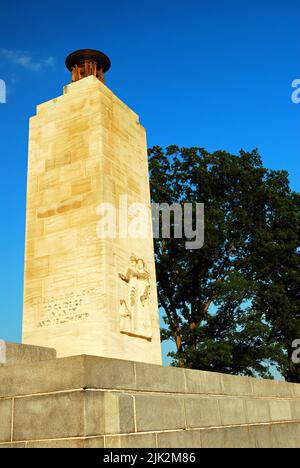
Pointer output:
x,y
234,305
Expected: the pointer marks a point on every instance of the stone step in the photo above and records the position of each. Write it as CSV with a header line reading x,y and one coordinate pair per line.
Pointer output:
x,y
92,372
89,401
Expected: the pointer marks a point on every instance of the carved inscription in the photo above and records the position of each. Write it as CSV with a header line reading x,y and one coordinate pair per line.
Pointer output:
x,y
65,309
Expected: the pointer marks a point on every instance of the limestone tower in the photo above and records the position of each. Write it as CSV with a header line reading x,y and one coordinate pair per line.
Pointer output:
x,y
88,289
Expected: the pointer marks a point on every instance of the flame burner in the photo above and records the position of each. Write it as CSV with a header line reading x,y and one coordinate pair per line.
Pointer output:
x,y
87,62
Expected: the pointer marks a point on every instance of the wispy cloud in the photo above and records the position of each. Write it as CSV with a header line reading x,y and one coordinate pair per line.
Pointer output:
x,y
26,60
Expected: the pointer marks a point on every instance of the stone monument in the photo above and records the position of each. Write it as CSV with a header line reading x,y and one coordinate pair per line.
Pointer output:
x,y
85,292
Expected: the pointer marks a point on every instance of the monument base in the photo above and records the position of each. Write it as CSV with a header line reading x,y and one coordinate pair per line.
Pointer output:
x,y
92,402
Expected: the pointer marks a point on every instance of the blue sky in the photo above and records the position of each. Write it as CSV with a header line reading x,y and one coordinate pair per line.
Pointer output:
x,y
215,74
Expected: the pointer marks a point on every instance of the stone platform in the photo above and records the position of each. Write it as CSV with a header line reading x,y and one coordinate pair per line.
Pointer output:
x,y
92,402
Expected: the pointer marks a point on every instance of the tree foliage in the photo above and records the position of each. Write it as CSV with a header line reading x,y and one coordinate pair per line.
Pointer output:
x,y
234,305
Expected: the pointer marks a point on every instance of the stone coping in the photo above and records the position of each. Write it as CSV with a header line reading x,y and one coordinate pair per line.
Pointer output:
x,y
13,354
91,372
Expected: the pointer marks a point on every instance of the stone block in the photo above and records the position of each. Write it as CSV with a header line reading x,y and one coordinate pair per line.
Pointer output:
x,y
232,411
37,268
5,420
280,410
153,378
131,441
159,413
233,385
12,354
57,444
263,436
179,439
81,187
285,389
296,389
295,409
202,412
282,435
258,410
49,417
286,435
272,388
103,373
72,415
108,413
93,442
42,377
13,445
203,382
232,437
